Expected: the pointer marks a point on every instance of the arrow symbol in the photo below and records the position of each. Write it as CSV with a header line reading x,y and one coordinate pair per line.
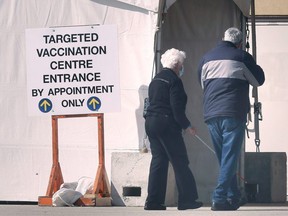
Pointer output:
x,y
94,102
45,103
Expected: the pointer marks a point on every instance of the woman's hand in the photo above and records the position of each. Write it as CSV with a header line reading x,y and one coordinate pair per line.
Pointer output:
x,y
191,130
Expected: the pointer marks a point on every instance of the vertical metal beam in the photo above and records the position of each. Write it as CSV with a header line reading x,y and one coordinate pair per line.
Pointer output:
x,y
255,90
241,165
253,28
157,42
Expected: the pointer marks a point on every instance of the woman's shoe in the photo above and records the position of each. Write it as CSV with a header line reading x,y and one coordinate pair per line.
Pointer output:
x,y
154,206
193,205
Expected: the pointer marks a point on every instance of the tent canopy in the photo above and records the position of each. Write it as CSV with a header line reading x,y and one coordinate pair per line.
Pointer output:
x,y
25,142
262,7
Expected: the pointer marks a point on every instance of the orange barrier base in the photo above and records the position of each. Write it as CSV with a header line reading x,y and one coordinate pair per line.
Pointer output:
x,y
44,201
87,200
101,191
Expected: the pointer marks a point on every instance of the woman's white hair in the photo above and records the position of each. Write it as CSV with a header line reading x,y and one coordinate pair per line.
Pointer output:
x,y
233,35
172,57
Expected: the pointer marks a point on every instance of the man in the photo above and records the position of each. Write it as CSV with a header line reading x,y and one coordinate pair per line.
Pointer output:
x,y
225,74
165,120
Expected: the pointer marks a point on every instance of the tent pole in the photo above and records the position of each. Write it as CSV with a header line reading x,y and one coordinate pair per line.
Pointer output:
x,y
253,28
157,48
255,90
241,166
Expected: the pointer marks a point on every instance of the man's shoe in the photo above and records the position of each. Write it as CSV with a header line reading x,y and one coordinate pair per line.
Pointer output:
x,y
193,205
154,206
237,203
223,207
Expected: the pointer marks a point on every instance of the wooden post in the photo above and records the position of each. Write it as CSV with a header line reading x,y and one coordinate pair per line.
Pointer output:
x,y
56,178
101,183
101,189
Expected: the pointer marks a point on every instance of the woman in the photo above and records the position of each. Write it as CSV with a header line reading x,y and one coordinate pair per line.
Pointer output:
x,y
165,119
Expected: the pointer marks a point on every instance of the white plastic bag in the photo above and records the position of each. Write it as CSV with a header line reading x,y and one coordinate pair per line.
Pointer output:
x,y
65,197
69,193
85,185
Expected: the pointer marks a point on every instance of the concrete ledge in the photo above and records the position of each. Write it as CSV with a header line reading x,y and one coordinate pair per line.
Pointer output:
x,y
129,179
129,170
266,177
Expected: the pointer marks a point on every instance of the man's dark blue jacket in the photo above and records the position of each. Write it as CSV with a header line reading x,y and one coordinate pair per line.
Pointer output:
x,y
225,73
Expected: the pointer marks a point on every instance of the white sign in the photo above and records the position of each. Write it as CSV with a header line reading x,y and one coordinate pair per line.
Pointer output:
x,y
72,70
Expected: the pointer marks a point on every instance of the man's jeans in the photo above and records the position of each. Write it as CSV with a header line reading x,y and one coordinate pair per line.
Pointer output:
x,y
227,136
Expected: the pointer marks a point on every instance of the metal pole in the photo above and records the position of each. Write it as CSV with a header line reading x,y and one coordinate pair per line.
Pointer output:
x,y
241,163
255,90
157,42
253,28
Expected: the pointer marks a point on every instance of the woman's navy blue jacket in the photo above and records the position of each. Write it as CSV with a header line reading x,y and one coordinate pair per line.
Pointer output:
x,y
225,73
167,97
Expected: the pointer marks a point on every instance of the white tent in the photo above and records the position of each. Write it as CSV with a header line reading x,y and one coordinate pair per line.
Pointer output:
x,y
25,141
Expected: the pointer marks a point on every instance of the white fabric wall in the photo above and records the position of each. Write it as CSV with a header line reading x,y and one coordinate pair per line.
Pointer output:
x,y
25,142
272,55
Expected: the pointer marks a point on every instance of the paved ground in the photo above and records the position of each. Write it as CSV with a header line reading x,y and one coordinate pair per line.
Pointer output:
x,y
35,210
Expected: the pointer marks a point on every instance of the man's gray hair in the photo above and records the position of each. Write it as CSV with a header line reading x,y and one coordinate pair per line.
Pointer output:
x,y
233,35
172,57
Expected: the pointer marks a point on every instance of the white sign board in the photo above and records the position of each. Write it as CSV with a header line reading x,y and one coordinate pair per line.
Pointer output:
x,y
72,70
